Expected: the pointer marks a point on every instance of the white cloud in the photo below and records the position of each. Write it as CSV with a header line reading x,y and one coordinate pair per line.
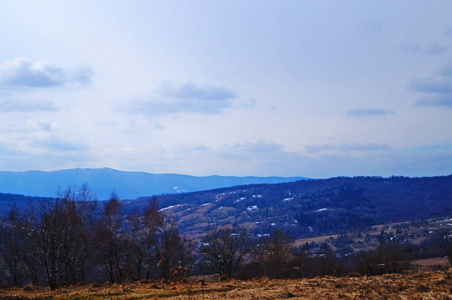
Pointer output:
x,y
446,70
448,32
264,158
436,90
376,111
58,145
14,105
183,98
431,49
22,72
193,91
346,147
371,26
44,125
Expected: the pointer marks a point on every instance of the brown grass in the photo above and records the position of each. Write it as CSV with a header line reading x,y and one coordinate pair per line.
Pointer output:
x,y
424,285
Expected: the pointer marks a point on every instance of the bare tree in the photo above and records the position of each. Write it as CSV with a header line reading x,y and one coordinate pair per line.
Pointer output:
x,y
224,249
143,228
10,263
391,255
153,221
46,238
277,253
446,240
109,241
83,214
169,250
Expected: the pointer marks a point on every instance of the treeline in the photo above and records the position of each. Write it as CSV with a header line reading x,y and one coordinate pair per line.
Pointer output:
x,y
72,239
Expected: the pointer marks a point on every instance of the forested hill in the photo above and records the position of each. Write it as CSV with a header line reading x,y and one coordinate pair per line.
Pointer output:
x,y
306,207
7,201
313,206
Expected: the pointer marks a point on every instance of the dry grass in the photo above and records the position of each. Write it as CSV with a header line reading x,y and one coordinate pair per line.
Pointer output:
x,y
429,264
425,285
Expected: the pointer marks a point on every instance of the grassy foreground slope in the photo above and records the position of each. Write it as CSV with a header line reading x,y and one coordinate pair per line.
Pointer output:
x,y
425,285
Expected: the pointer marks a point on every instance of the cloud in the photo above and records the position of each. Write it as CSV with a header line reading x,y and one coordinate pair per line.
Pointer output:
x,y
19,158
435,148
11,105
431,85
7,151
448,32
247,104
260,147
250,158
59,145
44,125
22,72
265,158
376,111
183,98
370,26
432,49
436,100
193,91
346,147
435,90
446,70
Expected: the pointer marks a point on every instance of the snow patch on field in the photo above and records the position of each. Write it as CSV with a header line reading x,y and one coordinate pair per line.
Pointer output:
x,y
170,207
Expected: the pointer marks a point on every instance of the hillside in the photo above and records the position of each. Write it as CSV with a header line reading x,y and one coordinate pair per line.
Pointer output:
x,y
427,285
128,185
8,200
311,207
303,208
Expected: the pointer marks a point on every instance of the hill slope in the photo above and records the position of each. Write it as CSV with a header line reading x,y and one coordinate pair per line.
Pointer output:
x,y
427,285
128,185
312,207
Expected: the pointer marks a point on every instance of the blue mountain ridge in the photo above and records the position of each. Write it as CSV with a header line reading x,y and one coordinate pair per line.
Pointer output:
x,y
127,185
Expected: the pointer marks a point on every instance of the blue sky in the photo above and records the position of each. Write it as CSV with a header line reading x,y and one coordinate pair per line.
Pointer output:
x,y
284,88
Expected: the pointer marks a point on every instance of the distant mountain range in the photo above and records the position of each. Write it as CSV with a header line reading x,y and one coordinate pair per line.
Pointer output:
x,y
127,185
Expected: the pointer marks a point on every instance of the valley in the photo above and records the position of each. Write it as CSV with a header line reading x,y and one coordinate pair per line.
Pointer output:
x,y
360,226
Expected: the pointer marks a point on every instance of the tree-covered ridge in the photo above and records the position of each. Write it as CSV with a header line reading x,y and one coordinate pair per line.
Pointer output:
x,y
312,207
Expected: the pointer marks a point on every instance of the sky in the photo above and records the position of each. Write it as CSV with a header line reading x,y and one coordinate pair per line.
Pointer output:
x,y
264,88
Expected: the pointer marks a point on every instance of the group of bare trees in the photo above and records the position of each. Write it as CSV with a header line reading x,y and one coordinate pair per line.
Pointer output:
x,y
49,240
231,250
72,239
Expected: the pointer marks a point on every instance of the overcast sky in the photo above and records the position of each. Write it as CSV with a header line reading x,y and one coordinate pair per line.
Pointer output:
x,y
284,88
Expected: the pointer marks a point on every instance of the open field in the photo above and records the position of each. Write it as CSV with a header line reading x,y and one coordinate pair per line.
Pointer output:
x,y
414,231
429,264
417,285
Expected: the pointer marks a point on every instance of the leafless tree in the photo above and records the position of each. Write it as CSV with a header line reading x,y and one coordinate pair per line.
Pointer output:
x,y
109,240
142,231
46,239
224,249
277,253
169,248
446,239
